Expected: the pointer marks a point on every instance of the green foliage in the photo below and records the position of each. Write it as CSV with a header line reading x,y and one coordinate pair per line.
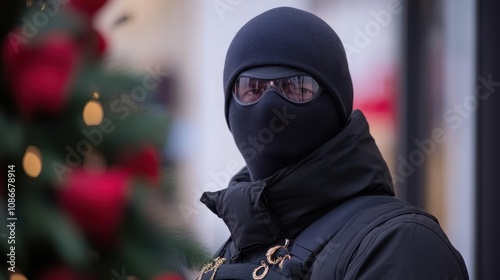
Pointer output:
x,y
46,236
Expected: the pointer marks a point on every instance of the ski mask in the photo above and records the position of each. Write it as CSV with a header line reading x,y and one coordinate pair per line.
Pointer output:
x,y
275,132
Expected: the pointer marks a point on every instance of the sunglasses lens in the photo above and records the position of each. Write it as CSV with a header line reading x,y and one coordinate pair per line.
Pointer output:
x,y
249,90
300,89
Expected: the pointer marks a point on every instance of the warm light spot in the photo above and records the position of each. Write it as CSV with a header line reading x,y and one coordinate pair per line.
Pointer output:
x,y
17,276
93,113
32,161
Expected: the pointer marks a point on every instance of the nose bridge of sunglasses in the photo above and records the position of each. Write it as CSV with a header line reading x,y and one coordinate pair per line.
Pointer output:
x,y
276,89
268,85
273,82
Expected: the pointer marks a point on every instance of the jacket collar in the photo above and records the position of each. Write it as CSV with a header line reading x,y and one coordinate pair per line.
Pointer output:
x,y
281,206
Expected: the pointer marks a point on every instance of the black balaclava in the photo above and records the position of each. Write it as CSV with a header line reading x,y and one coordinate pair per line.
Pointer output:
x,y
274,133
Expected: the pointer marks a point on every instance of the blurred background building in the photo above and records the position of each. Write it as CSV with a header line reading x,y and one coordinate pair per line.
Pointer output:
x,y
424,71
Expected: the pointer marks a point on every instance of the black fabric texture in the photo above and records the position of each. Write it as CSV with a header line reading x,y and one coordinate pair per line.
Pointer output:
x,y
393,240
294,38
259,213
366,237
410,246
274,133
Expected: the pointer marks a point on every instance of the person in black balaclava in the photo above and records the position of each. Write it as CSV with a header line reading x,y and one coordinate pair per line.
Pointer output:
x,y
313,169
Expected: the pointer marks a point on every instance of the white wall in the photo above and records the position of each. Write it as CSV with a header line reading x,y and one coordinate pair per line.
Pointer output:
x,y
460,83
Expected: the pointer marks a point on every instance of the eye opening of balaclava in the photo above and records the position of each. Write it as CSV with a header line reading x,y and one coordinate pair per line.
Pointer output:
x,y
275,73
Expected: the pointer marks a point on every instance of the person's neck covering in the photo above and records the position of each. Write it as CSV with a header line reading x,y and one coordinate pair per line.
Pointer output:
x,y
260,213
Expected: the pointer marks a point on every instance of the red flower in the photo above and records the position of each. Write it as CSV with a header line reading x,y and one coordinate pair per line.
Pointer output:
x,y
145,163
87,7
96,202
40,74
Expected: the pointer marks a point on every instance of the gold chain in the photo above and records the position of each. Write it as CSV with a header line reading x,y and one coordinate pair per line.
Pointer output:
x,y
264,272
258,273
213,265
279,260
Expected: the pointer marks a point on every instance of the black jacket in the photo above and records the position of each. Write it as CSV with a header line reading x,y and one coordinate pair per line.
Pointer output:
x,y
262,214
